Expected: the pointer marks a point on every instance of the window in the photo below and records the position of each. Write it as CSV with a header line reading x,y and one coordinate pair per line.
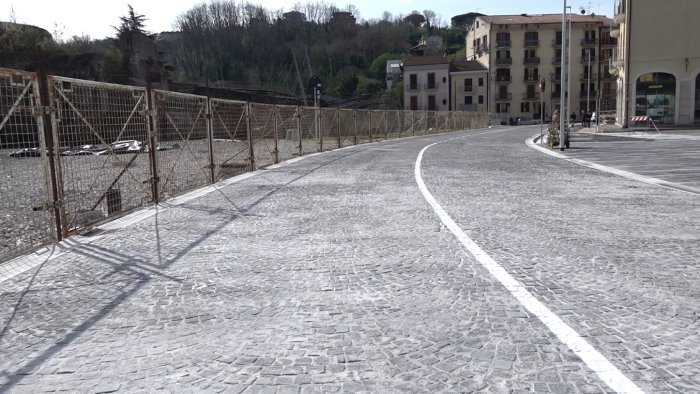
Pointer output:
x,y
525,107
431,103
584,55
468,85
444,101
503,108
531,89
481,81
468,100
413,81
530,36
444,79
532,74
481,99
431,80
414,103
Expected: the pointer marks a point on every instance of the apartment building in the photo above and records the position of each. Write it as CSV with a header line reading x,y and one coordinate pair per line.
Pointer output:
x,y
468,86
523,52
426,83
657,61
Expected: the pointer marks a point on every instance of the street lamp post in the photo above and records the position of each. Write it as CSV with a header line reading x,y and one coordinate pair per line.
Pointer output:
x,y
568,68
562,99
588,83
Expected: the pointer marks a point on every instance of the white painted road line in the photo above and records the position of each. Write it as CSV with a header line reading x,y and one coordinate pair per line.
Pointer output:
x,y
611,170
607,372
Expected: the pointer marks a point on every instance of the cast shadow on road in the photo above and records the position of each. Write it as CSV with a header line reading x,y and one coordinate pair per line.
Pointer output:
x,y
132,272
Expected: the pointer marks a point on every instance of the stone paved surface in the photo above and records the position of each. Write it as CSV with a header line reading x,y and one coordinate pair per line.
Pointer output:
x,y
332,274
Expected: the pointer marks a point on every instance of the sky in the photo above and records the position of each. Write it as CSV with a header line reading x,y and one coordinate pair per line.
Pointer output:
x,y
95,18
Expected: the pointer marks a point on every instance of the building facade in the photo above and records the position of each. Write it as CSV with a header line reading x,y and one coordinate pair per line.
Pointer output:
x,y
658,69
426,83
468,86
523,53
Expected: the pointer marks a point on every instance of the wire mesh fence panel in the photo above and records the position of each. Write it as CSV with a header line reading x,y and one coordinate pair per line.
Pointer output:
x,y
362,123
329,128
230,146
347,127
101,131
310,132
431,122
263,133
420,122
287,132
378,125
393,121
407,120
181,132
25,221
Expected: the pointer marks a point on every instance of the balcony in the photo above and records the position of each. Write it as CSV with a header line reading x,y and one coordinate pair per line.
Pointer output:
x,y
504,61
557,42
607,76
584,77
555,76
587,41
620,11
504,96
430,86
503,78
615,32
531,60
584,94
467,89
584,59
608,93
531,43
482,48
531,97
503,44
608,41
531,78
413,87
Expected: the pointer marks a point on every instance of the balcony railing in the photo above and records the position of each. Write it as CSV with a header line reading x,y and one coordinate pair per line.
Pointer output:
x,y
584,76
503,44
467,89
557,42
555,76
430,86
529,96
413,87
620,11
589,41
608,41
531,60
532,43
504,96
504,61
503,78
584,59
531,78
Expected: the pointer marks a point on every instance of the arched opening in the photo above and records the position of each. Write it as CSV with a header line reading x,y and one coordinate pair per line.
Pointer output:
x,y
656,97
697,99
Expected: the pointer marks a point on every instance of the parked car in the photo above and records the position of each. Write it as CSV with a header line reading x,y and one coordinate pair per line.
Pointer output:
x,y
120,147
26,152
82,150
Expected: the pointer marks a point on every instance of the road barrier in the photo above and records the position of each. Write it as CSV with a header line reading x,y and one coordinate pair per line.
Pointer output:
x,y
76,153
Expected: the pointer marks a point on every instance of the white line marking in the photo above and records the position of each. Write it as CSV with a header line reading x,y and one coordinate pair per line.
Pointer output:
x,y
615,171
607,372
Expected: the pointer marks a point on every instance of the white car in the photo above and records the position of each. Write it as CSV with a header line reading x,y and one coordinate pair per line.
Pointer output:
x,y
119,147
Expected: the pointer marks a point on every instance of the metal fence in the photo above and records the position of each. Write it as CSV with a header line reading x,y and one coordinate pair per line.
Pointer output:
x,y
76,153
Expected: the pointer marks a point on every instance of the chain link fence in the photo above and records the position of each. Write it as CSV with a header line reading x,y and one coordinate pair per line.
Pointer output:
x,y
81,152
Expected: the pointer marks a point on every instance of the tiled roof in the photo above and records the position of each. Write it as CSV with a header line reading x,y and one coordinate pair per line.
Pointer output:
x,y
424,60
544,18
469,65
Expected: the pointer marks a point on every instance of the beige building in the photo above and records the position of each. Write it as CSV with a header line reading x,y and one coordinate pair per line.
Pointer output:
x,y
657,60
519,51
426,83
468,86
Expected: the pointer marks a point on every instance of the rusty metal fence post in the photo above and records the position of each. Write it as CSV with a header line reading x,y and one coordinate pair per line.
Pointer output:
x,y
301,146
369,118
151,132
45,123
249,133
210,134
354,124
275,114
339,142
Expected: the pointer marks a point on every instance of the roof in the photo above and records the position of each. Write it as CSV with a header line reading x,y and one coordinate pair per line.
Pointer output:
x,y
424,60
544,18
469,65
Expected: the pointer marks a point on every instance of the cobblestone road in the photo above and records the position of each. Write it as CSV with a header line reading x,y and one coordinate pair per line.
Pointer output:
x,y
333,274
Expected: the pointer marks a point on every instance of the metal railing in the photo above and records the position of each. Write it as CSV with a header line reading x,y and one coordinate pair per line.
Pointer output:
x,y
76,153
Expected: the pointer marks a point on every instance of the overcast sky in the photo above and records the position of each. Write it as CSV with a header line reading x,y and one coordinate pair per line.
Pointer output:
x,y
95,18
